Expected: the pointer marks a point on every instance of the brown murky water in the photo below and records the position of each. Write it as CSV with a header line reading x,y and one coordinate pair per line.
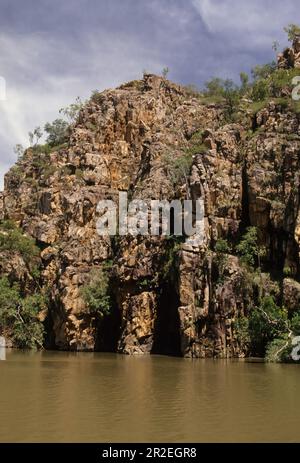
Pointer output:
x,y
86,397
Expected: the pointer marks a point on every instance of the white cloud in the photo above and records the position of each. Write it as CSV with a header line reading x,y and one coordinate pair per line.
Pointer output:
x,y
44,75
252,23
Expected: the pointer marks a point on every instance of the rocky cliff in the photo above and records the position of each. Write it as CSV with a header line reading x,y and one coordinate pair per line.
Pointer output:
x,y
168,296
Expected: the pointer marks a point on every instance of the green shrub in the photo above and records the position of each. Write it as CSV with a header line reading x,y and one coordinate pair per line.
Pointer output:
x,y
19,150
292,30
295,324
269,84
192,90
13,239
96,96
96,292
241,328
214,87
57,132
40,159
266,323
287,271
41,149
249,249
263,71
278,350
179,168
222,246
146,284
18,316
244,78
71,112
35,136
295,106
228,91
260,90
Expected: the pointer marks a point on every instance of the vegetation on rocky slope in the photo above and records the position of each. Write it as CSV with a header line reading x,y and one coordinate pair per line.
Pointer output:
x,y
21,302
235,146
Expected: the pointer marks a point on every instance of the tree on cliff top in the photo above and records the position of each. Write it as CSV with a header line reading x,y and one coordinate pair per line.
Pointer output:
x,y
292,30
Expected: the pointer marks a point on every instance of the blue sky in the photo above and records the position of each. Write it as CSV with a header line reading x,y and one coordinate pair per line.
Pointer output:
x,y
55,50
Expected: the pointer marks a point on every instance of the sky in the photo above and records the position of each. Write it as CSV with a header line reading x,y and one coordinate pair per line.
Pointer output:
x,y
52,51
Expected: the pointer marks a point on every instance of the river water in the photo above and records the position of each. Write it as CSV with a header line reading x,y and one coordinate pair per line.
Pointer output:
x,y
95,397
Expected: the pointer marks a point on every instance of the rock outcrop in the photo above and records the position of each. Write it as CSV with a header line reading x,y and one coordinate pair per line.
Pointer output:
x,y
290,58
123,141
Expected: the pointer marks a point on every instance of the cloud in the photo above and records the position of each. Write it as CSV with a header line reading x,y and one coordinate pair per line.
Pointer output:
x,y
46,75
254,23
54,51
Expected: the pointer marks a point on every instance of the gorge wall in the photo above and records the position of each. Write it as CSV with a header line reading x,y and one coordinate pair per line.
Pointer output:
x,y
169,297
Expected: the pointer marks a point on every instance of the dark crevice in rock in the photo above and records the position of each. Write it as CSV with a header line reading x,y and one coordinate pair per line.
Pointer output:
x,y
108,332
167,326
49,324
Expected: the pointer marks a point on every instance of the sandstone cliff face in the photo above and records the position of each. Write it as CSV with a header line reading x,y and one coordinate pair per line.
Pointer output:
x,y
120,143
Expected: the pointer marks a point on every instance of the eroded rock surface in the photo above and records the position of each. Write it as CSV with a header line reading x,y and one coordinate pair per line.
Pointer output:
x,y
123,141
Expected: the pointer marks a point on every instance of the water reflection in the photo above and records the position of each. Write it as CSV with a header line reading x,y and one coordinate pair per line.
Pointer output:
x,y
89,397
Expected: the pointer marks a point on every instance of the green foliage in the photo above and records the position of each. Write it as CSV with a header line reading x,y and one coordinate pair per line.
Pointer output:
x,y
165,72
222,246
168,271
146,284
249,249
241,328
287,271
295,324
19,150
96,96
214,87
292,30
269,82
96,292
244,78
179,168
196,146
278,350
71,112
49,170
260,90
35,136
266,323
57,132
18,316
16,172
295,106
192,90
79,174
41,149
263,71
228,91
232,97
13,239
